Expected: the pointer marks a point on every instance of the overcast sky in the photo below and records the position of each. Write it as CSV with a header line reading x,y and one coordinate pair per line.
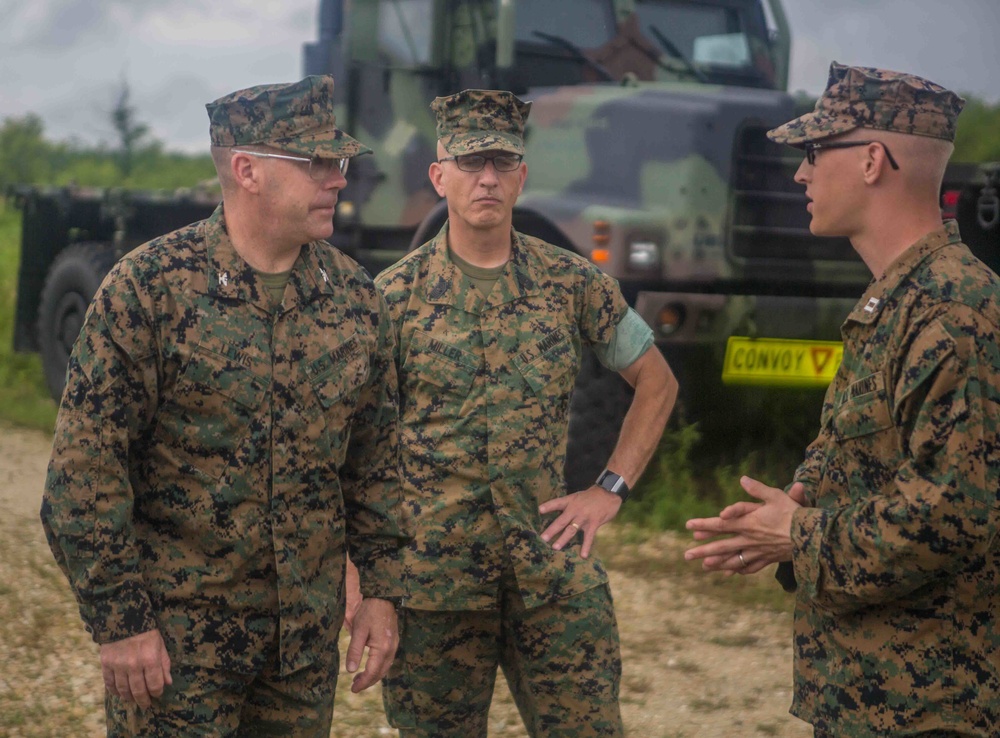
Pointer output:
x,y
65,59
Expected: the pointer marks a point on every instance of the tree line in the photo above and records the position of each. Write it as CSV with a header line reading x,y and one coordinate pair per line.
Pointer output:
x,y
136,160
28,157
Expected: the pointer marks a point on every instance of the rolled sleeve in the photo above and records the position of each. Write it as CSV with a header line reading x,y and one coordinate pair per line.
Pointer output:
x,y
631,339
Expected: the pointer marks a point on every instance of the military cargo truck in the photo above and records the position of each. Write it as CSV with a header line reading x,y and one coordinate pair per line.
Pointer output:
x,y
646,154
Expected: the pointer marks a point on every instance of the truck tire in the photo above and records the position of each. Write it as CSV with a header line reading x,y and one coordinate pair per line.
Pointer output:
x,y
70,285
600,400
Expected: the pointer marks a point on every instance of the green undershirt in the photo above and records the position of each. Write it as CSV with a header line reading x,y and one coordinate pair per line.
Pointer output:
x,y
482,277
275,285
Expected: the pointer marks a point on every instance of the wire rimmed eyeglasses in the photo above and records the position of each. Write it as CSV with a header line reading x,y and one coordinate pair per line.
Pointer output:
x,y
320,167
811,149
477,162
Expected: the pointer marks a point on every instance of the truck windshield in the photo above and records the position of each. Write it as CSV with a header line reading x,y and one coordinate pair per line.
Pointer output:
x,y
727,43
586,24
561,42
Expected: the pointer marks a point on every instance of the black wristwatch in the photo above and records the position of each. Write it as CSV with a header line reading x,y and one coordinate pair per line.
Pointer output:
x,y
613,483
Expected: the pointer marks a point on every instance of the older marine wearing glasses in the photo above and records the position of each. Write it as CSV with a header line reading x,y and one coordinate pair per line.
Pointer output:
x,y
227,433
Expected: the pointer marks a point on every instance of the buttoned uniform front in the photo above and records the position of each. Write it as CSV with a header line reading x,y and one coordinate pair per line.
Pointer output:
x,y
485,385
896,560
214,458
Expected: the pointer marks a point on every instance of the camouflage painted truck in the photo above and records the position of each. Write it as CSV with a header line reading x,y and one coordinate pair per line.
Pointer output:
x,y
646,154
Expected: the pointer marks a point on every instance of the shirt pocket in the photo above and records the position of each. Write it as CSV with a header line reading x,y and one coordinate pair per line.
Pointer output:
x,y
868,453
550,368
336,380
436,362
863,409
211,410
338,376
437,379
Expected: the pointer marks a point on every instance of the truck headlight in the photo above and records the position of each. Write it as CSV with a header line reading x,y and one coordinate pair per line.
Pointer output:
x,y
670,318
643,255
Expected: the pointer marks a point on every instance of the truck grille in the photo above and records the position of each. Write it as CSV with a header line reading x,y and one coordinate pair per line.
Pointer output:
x,y
769,217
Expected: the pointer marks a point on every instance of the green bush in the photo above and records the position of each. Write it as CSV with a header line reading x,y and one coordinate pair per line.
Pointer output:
x,y
668,493
690,476
27,157
24,399
976,139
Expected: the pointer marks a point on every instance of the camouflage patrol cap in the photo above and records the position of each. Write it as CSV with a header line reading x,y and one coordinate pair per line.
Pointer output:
x,y
865,97
480,120
296,117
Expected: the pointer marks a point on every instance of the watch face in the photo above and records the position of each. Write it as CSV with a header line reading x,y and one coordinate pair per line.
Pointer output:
x,y
609,482
613,483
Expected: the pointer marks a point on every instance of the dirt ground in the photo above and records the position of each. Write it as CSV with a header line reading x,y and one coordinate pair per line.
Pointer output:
x,y
704,657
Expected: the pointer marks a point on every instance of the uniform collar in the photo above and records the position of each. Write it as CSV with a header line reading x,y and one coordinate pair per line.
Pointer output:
x,y
446,284
881,290
231,277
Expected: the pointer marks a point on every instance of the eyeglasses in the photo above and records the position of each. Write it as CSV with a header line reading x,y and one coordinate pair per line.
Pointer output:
x,y
812,148
477,162
320,167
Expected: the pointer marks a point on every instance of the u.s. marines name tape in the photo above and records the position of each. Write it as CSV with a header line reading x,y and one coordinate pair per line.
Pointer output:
x,y
781,362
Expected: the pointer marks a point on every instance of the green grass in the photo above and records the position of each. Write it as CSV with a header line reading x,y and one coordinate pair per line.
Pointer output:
x,y
24,399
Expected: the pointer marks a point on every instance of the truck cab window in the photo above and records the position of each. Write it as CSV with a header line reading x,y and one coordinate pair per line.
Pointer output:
x,y
405,31
721,41
586,23
554,40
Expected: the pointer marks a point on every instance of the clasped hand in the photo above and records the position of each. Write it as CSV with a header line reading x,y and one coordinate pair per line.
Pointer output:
x,y
748,536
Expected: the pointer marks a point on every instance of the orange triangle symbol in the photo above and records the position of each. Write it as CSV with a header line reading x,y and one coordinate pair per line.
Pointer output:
x,y
820,357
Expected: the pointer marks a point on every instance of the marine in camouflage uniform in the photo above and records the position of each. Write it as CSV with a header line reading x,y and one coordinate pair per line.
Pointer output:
x,y
893,554
226,435
490,325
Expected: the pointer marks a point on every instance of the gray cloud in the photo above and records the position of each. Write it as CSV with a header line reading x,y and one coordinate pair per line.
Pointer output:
x,y
52,25
46,25
954,43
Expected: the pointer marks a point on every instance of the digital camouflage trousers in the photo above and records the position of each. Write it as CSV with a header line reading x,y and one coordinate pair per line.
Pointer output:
x,y
561,661
207,703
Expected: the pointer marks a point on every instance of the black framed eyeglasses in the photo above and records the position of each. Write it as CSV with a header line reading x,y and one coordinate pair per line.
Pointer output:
x,y
320,167
476,162
812,148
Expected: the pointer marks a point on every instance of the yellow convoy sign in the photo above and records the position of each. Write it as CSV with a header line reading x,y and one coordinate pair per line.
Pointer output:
x,y
781,362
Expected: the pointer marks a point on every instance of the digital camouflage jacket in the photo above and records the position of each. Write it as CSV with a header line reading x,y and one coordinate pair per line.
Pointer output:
x,y
897,618
214,457
485,387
